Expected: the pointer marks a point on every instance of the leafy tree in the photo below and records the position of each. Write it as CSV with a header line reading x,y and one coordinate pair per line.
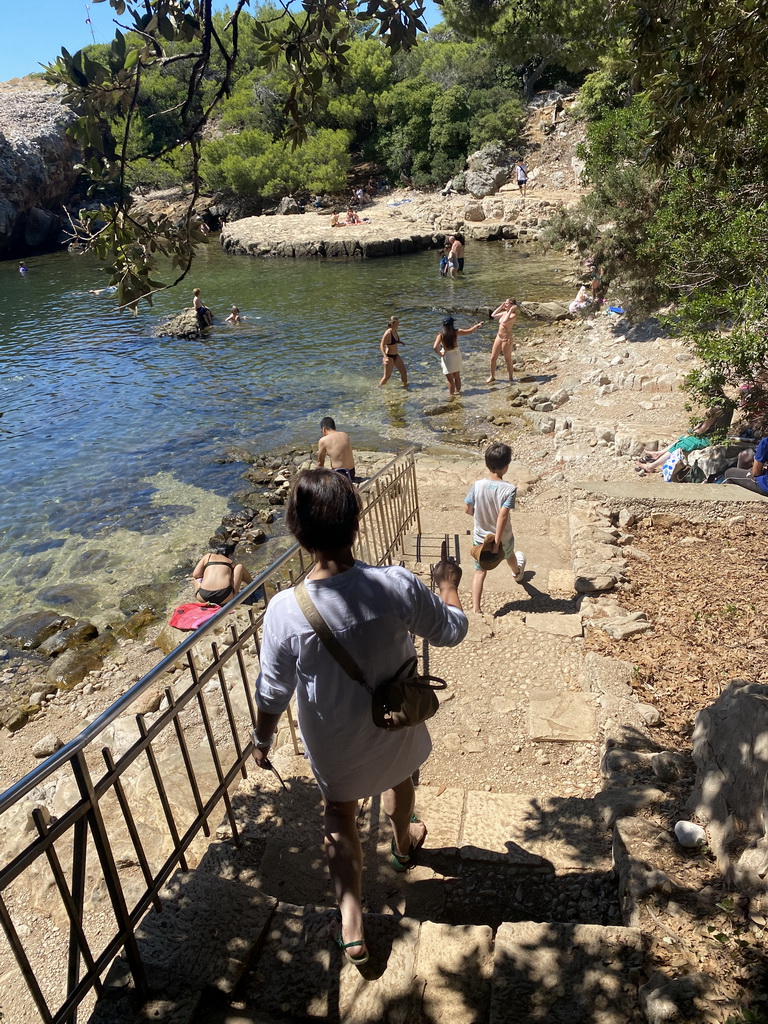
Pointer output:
x,y
253,164
702,64
536,35
311,45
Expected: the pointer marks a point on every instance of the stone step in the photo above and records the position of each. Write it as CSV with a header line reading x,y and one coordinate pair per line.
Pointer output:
x,y
204,938
418,972
489,857
565,974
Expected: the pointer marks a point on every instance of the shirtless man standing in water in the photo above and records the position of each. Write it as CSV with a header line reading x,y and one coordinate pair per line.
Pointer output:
x,y
506,314
336,446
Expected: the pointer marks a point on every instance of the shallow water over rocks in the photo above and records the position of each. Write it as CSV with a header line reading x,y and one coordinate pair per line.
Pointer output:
x,y
113,439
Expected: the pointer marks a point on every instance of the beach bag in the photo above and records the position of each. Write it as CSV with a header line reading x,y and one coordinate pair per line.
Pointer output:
x,y
398,703
672,467
193,615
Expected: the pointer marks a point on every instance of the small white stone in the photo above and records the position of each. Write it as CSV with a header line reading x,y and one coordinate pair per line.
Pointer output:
x,y
689,834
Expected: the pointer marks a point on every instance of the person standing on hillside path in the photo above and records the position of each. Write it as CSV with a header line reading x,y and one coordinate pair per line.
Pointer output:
x,y
337,448
521,173
489,502
506,314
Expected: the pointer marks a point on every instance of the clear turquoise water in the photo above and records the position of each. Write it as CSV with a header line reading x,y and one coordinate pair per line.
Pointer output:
x,y
109,435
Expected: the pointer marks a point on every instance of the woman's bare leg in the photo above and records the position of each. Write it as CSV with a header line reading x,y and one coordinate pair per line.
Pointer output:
x,y
401,369
388,367
345,864
495,352
506,351
457,381
399,803
240,577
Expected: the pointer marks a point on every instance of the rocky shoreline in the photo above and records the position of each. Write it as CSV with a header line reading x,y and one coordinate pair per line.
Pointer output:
x,y
400,222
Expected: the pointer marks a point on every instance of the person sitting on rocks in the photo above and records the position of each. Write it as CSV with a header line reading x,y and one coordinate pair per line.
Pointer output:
x,y
217,578
756,478
699,438
581,301
204,315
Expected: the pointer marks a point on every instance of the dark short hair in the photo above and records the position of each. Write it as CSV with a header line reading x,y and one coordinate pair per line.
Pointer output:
x,y
323,510
497,456
327,423
227,549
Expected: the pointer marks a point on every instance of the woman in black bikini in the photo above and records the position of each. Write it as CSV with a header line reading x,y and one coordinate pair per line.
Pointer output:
x,y
390,354
222,577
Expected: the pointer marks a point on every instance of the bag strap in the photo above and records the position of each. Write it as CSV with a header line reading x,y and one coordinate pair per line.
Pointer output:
x,y
323,630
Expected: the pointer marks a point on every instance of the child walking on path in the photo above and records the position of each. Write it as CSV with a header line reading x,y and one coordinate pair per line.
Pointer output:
x,y
489,503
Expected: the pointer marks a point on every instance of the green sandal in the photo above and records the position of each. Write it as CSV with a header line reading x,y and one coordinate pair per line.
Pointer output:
x,y
402,862
357,961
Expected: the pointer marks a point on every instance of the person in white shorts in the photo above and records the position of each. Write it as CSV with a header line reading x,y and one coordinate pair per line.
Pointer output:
x,y
489,502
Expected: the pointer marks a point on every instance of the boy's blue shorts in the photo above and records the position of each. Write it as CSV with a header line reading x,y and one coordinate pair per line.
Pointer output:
x,y
507,546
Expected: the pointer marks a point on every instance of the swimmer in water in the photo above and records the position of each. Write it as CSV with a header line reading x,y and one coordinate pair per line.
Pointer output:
x,y
234,317
23,268
109,290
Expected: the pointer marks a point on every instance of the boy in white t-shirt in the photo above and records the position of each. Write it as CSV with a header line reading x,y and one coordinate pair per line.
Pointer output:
x,y
489,503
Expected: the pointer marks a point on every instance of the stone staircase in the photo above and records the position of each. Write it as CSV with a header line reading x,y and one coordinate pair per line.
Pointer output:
x,y
512,915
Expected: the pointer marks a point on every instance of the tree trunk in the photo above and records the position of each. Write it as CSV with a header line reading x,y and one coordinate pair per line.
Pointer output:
x,y
530,80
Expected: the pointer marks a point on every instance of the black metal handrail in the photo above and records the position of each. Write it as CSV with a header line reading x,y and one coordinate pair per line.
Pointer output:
x,y
202,735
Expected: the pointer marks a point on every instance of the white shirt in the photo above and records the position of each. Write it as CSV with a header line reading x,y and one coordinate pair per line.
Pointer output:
x,y
487,497
372,612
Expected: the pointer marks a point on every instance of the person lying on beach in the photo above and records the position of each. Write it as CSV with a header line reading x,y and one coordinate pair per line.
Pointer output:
x,y
337,448
755,478
217,578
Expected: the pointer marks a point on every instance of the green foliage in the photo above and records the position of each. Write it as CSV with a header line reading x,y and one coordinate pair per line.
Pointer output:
x,y
703,68
253,164
608,87
449,99
173,67
569,33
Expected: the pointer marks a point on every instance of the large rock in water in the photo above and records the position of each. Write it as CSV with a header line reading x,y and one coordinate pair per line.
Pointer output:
x,y
548,311
38,163
30,630
184,325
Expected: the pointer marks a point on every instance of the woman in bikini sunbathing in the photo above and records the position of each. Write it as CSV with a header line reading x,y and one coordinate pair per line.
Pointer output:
x,y
390,353
217,578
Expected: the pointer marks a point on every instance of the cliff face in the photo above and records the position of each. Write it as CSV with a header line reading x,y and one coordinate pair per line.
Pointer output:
x,y
37,167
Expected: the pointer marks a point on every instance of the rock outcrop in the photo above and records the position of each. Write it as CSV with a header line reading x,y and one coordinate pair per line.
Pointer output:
x,y
38,175
487,170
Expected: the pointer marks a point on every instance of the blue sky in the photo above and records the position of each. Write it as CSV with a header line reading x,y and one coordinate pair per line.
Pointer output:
x,y
34,31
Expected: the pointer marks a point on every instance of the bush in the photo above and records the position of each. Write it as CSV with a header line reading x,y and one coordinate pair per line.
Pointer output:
x,y
252,164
